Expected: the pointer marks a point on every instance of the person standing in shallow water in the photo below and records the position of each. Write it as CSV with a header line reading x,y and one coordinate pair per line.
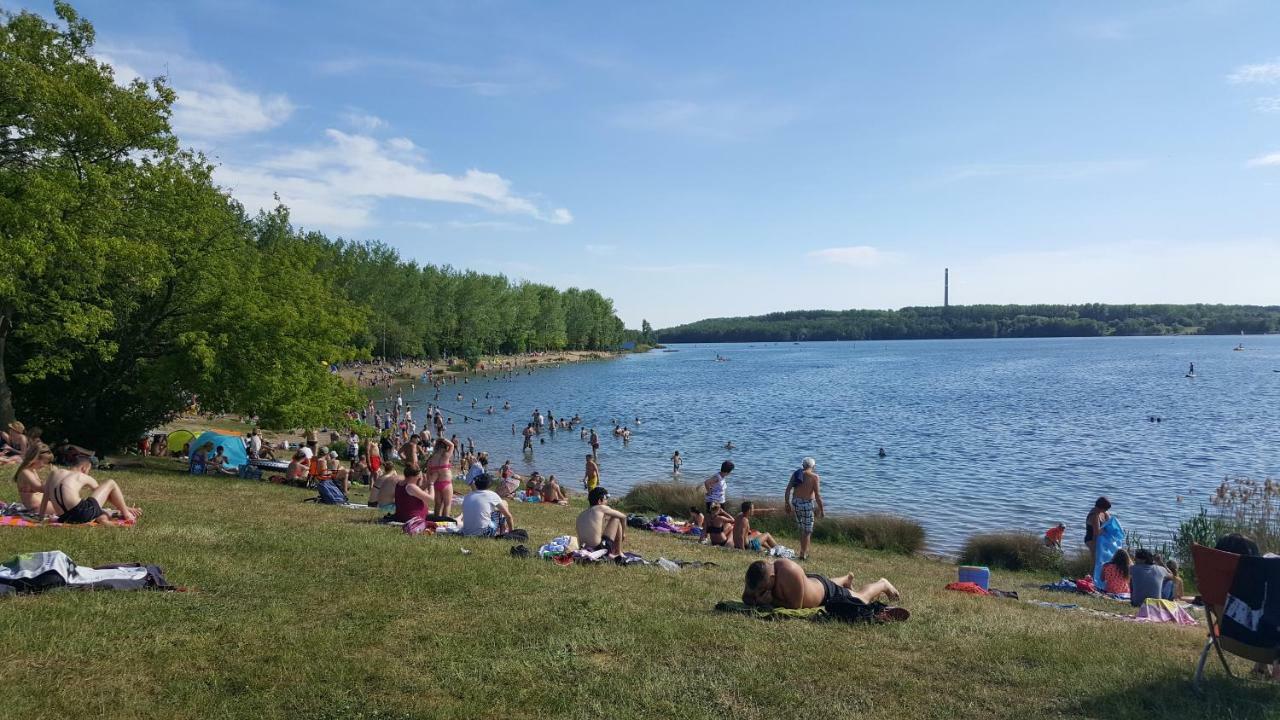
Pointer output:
x,y
675,463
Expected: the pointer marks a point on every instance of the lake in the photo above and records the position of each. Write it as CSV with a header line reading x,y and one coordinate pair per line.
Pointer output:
x,y
980,435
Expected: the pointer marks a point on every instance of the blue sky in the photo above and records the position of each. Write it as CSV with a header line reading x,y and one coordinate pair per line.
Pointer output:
x,y
696,160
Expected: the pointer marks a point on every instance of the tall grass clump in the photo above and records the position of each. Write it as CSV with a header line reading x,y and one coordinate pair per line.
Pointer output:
x,y
1077,564
872,531
663,498
1011,551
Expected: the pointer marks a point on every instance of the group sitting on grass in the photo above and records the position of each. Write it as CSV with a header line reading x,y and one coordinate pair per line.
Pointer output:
x,y
62,494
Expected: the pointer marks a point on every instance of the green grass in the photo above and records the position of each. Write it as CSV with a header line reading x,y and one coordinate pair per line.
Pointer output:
x,y
304,611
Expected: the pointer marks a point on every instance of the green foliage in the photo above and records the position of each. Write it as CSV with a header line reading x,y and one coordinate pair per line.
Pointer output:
x,y
1011,551
137,286
981,321
1199,529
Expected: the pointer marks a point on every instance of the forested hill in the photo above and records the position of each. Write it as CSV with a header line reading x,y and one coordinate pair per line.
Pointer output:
x,y
982,321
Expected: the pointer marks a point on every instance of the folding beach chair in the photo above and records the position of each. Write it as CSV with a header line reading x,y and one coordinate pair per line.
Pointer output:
x,y
1215,572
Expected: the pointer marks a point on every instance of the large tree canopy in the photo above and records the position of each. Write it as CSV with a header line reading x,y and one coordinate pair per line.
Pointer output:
x,y
132,285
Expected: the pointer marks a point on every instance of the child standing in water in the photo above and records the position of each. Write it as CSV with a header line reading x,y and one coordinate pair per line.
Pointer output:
x,y
675,463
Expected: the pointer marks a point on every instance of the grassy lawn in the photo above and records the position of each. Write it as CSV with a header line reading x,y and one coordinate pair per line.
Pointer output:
x,y
303,611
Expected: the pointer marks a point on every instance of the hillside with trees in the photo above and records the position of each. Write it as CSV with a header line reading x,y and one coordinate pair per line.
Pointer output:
x,y
134,285
982,321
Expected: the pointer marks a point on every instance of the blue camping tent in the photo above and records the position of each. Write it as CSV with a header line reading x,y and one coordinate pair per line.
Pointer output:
x,y
232,447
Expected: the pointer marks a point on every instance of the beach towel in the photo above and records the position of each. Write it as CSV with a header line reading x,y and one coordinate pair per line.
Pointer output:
x,y
875,613
966,587
26,522
1110,539
41,571
1164,611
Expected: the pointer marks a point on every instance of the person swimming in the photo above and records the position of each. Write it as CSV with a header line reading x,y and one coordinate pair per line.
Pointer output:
x,y
882,453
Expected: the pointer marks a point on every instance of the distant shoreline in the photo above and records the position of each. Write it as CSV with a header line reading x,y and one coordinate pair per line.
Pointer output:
x,y
977,322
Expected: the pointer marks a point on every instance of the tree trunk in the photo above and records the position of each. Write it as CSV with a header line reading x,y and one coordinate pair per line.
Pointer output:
x,y
6,394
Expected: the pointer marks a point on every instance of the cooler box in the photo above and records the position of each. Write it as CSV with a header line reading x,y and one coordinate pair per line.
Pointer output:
x,y
979,576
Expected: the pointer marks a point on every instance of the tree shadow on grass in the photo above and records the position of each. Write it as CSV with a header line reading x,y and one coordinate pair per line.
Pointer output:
x,y
1170,697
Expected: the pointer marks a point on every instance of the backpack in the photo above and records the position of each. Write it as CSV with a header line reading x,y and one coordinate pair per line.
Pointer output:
x,y
330,494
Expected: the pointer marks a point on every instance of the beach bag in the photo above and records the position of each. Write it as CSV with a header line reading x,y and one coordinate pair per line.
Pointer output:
x,y
330,494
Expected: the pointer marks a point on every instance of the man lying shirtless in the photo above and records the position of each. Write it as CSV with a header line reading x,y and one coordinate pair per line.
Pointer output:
x,y
62,496
784,584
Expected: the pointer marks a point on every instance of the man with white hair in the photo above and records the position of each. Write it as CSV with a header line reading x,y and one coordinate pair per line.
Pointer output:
x,y
804,499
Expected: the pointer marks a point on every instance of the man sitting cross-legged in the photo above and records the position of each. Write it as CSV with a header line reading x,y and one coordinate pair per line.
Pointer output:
x,y
600,527
62,495
784,584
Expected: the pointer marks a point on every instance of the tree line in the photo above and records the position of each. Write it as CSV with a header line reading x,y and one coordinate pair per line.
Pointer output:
x,y
982,321
133,285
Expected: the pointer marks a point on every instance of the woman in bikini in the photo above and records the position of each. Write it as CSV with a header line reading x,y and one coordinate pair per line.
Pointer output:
x,y
719,525
30,486
440,475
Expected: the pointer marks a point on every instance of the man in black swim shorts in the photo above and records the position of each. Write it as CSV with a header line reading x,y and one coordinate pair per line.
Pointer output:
x,y
62,496
784,584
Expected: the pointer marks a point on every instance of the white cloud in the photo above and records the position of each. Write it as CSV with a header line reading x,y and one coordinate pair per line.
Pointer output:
x,y
210,104
714,120
364,122
1067,170
337,184
1263,73
220,110
601,250
1268,104
859,256
507,79
1270,160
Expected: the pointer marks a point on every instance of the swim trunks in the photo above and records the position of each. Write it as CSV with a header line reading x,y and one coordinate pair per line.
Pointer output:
x,y
804,515
832,591
87,510
593,481
387,507
754,544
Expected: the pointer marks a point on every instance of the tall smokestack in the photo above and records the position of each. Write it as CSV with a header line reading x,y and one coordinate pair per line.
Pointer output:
x,y
946,287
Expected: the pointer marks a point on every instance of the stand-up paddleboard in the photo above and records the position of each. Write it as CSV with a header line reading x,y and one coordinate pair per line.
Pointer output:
x,y
1110,539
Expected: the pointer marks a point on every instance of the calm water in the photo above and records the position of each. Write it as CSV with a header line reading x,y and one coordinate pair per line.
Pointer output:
x,y
980,434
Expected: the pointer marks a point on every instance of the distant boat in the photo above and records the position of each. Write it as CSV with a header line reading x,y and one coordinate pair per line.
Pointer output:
x,y
1238,348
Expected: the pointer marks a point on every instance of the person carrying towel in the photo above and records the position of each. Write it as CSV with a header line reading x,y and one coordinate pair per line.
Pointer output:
x,y
803,499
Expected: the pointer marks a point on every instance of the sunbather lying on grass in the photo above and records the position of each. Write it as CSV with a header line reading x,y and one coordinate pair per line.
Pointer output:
x,y
783,583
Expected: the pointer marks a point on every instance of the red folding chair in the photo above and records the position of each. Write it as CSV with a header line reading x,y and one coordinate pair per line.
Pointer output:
x,y
1215,570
